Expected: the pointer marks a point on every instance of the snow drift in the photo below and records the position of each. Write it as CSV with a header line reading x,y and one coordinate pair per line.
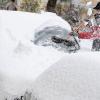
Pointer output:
x,y
23,25
20,59
24,65
75,77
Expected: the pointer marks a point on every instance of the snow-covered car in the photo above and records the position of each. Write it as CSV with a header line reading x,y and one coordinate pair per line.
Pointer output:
x,y
45,72
20,59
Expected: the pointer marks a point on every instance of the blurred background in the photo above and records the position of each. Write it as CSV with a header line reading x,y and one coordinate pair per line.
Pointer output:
x,y
60,7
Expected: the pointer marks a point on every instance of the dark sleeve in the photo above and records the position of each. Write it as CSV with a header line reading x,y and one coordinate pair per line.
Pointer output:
x,y
97,16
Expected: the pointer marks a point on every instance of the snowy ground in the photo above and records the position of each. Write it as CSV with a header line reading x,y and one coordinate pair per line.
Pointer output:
x,y
51,74
75,77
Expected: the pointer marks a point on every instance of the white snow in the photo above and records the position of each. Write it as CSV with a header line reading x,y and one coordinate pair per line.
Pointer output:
x,y
20,59
51,74
75,77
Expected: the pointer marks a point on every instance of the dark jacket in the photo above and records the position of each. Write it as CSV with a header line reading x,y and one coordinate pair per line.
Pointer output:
x,y
97,18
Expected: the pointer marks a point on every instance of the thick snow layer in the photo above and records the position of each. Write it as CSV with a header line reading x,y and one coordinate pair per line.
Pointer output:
x,y
18,24
24,65
20,59
75,77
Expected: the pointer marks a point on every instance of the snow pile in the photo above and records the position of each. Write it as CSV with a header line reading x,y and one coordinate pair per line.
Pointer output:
x,y
75,77
19,23
24,65
20,59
